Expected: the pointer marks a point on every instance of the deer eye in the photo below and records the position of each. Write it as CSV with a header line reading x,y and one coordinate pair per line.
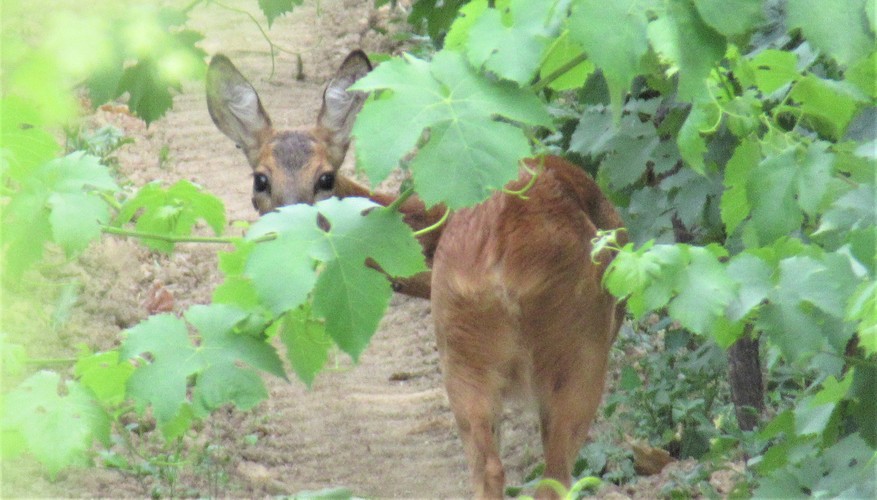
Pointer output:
x,y
261,184
326,182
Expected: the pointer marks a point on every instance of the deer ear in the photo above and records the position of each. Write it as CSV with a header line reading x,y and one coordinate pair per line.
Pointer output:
x,y
235,107
340,105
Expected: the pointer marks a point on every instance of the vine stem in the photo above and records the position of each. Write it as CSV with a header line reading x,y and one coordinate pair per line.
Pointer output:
x,y
572,63
401,199
435,226
170,238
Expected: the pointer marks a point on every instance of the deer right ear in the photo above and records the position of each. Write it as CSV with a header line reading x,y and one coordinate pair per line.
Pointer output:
x,y
235,107
340,105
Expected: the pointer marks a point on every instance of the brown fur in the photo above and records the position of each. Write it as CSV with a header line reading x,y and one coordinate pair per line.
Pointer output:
x,y
516,298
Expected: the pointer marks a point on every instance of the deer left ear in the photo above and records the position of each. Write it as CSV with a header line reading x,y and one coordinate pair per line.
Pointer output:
x,y
340,105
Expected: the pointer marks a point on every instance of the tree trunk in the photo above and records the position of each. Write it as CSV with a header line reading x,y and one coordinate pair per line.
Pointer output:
x,y
747,387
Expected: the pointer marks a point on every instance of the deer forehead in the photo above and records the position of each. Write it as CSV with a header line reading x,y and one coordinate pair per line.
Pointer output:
x,y
289,152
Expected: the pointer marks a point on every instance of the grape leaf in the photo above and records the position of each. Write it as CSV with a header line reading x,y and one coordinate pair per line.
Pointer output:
x,y
614,36
163,381
58,430
692,146
350,296
26,143
307,345
224,344
681,37
276,8
703,291
511,41
447,97
105,376
734,204
458,35
814,178
828,103
771,194
282,270
731,17
76,220
773,69
173,211
820,23
562,52
753,277
68,185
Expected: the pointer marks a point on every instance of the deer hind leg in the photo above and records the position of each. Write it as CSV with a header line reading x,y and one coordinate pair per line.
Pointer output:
x,y
568,382
477,408
475,340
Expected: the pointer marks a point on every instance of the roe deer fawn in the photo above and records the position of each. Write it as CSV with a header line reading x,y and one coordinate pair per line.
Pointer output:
x,y
517,301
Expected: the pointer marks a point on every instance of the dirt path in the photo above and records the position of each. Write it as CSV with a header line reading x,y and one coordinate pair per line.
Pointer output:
x,y
381,428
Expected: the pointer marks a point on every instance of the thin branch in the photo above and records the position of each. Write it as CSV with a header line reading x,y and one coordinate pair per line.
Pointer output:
x,y
168,237
572,63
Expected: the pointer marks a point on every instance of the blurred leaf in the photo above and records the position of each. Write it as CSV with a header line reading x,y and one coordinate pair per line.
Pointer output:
x,y
276,8
614,36
58,430
731,17
820,23
693,47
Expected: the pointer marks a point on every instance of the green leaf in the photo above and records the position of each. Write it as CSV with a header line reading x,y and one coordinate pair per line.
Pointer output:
x,y
307,345
814,178
863,74
734,204
163,381
694,48
174,211
26,144
704,290
458,36
614,36
820,24
223,383
753,277
223,344
105,376
771,194
459,107
512,41
350,296
774,69
731,17
862,308
57,430
276,8
562,52
76,220
830,105
692,145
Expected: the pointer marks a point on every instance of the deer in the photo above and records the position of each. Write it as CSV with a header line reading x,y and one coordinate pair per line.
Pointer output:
x,y
516,296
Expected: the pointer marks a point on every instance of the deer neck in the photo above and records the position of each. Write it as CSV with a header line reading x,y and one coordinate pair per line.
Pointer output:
x,y
416,215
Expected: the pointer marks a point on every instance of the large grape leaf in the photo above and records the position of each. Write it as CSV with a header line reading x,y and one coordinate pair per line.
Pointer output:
x,y
694,48
511,42
614,36
350,296
703,292
458,106
58,430
282,270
